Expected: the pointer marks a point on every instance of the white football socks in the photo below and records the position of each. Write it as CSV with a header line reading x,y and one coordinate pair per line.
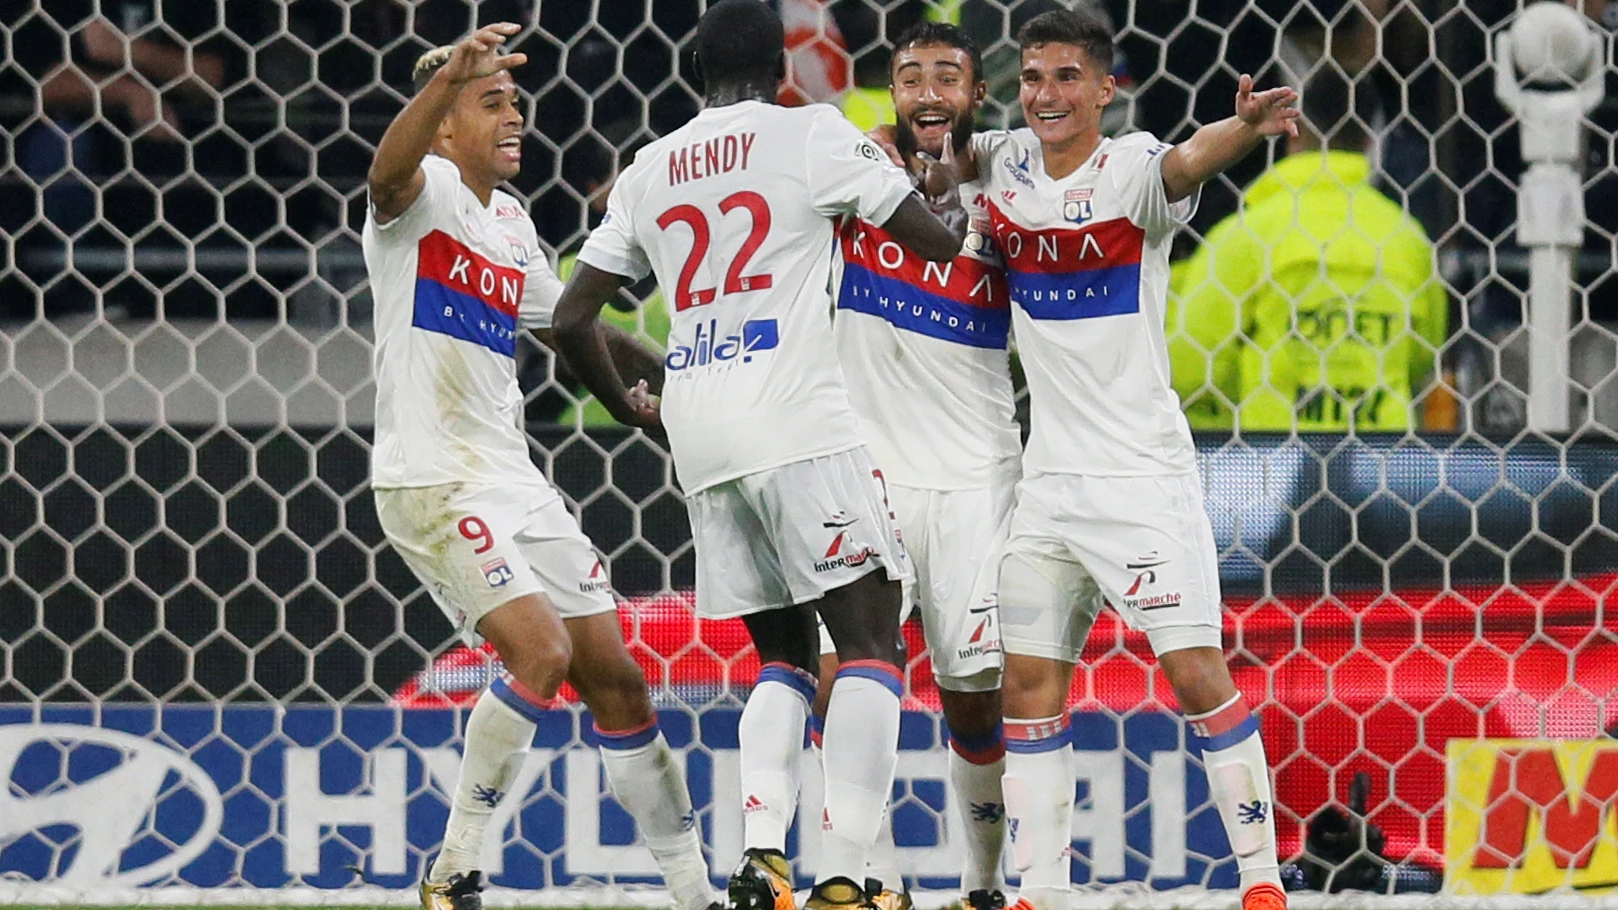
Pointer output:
x,y
976,766
1239,779
771,740
647,782
882,860
497,738
861,748
1038,787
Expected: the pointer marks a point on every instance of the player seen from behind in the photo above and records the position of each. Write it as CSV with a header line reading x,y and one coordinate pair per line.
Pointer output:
x,y
456,270
736,213
1110,505
923,345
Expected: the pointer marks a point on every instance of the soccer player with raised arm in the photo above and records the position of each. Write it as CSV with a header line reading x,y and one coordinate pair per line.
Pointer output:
x,y
924,347
736,213
456,270
1110,505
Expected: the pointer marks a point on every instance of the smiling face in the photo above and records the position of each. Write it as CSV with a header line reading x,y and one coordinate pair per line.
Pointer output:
x,y
483,132
1063,92
935,95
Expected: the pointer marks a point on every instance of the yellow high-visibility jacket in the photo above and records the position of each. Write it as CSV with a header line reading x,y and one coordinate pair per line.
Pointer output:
x,y
1315,307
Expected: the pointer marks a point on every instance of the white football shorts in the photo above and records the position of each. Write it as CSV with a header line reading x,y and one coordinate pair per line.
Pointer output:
x,y
1143,544
790,534
476,547
955,539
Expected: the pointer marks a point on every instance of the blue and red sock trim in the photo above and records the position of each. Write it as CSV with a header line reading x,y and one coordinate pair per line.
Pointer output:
x,y
787,675
633,738
876,670
518,697
817,729
1224,727
984,749
1026,737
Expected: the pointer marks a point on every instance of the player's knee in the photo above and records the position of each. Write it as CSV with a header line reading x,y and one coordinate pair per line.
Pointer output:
x,y
971,712
1034,686
1199,675
540,663
614,689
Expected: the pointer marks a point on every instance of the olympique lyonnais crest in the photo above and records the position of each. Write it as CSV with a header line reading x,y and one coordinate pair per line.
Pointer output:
x,y
519,250
1076,206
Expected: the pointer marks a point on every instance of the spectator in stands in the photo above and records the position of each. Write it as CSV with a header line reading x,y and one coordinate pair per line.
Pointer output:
x,y
127,71
1316,306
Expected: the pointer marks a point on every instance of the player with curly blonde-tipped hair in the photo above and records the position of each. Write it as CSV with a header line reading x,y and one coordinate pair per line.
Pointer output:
x,y
457,271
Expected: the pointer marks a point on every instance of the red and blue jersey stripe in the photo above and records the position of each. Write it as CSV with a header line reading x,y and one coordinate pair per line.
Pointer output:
x,y
462,294
1071,272
963,301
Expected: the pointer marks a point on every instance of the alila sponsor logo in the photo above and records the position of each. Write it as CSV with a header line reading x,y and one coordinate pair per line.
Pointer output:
x,y
597,580
1145,568
707,348
843,552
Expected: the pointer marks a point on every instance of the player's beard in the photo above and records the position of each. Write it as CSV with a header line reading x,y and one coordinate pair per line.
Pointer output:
x,y
960,133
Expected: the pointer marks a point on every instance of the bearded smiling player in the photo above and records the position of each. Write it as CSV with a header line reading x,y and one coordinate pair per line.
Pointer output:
x,y
1110,505
924,349
456,270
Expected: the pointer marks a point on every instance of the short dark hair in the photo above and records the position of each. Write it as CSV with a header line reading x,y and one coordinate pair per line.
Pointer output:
x,y
1064,26
739,41
927,32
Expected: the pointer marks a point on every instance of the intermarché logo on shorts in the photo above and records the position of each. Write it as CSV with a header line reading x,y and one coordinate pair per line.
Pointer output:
x,y
837,559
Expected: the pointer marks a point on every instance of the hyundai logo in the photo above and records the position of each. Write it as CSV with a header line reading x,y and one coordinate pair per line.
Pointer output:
x,y
109,789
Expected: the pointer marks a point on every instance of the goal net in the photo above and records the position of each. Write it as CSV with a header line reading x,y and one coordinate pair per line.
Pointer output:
x,y
219,684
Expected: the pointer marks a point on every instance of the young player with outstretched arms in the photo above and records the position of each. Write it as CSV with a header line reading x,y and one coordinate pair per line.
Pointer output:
x,y
1110,504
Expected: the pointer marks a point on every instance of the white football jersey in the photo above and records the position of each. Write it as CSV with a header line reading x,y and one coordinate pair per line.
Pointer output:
x,y
453,282
1087,262
924,347
736,212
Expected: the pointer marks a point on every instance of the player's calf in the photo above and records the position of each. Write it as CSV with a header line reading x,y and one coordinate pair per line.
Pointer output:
x,y
1038,782
531,640
977,762
641,770
861,740
1233,756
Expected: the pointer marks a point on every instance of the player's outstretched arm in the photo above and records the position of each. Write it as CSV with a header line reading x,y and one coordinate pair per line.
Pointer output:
x,y
581,340
1219,145
395,178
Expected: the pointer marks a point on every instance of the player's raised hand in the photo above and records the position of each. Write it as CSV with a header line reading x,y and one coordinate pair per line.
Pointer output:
x,y
478,55
1271,112
940,176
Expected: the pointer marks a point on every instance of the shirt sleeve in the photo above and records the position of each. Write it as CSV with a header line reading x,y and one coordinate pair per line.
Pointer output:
x,y
1136,165
541,290
849,174
613,246
436,203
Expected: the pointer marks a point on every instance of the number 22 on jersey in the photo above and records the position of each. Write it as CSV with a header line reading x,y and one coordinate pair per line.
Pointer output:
x,y
757,209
